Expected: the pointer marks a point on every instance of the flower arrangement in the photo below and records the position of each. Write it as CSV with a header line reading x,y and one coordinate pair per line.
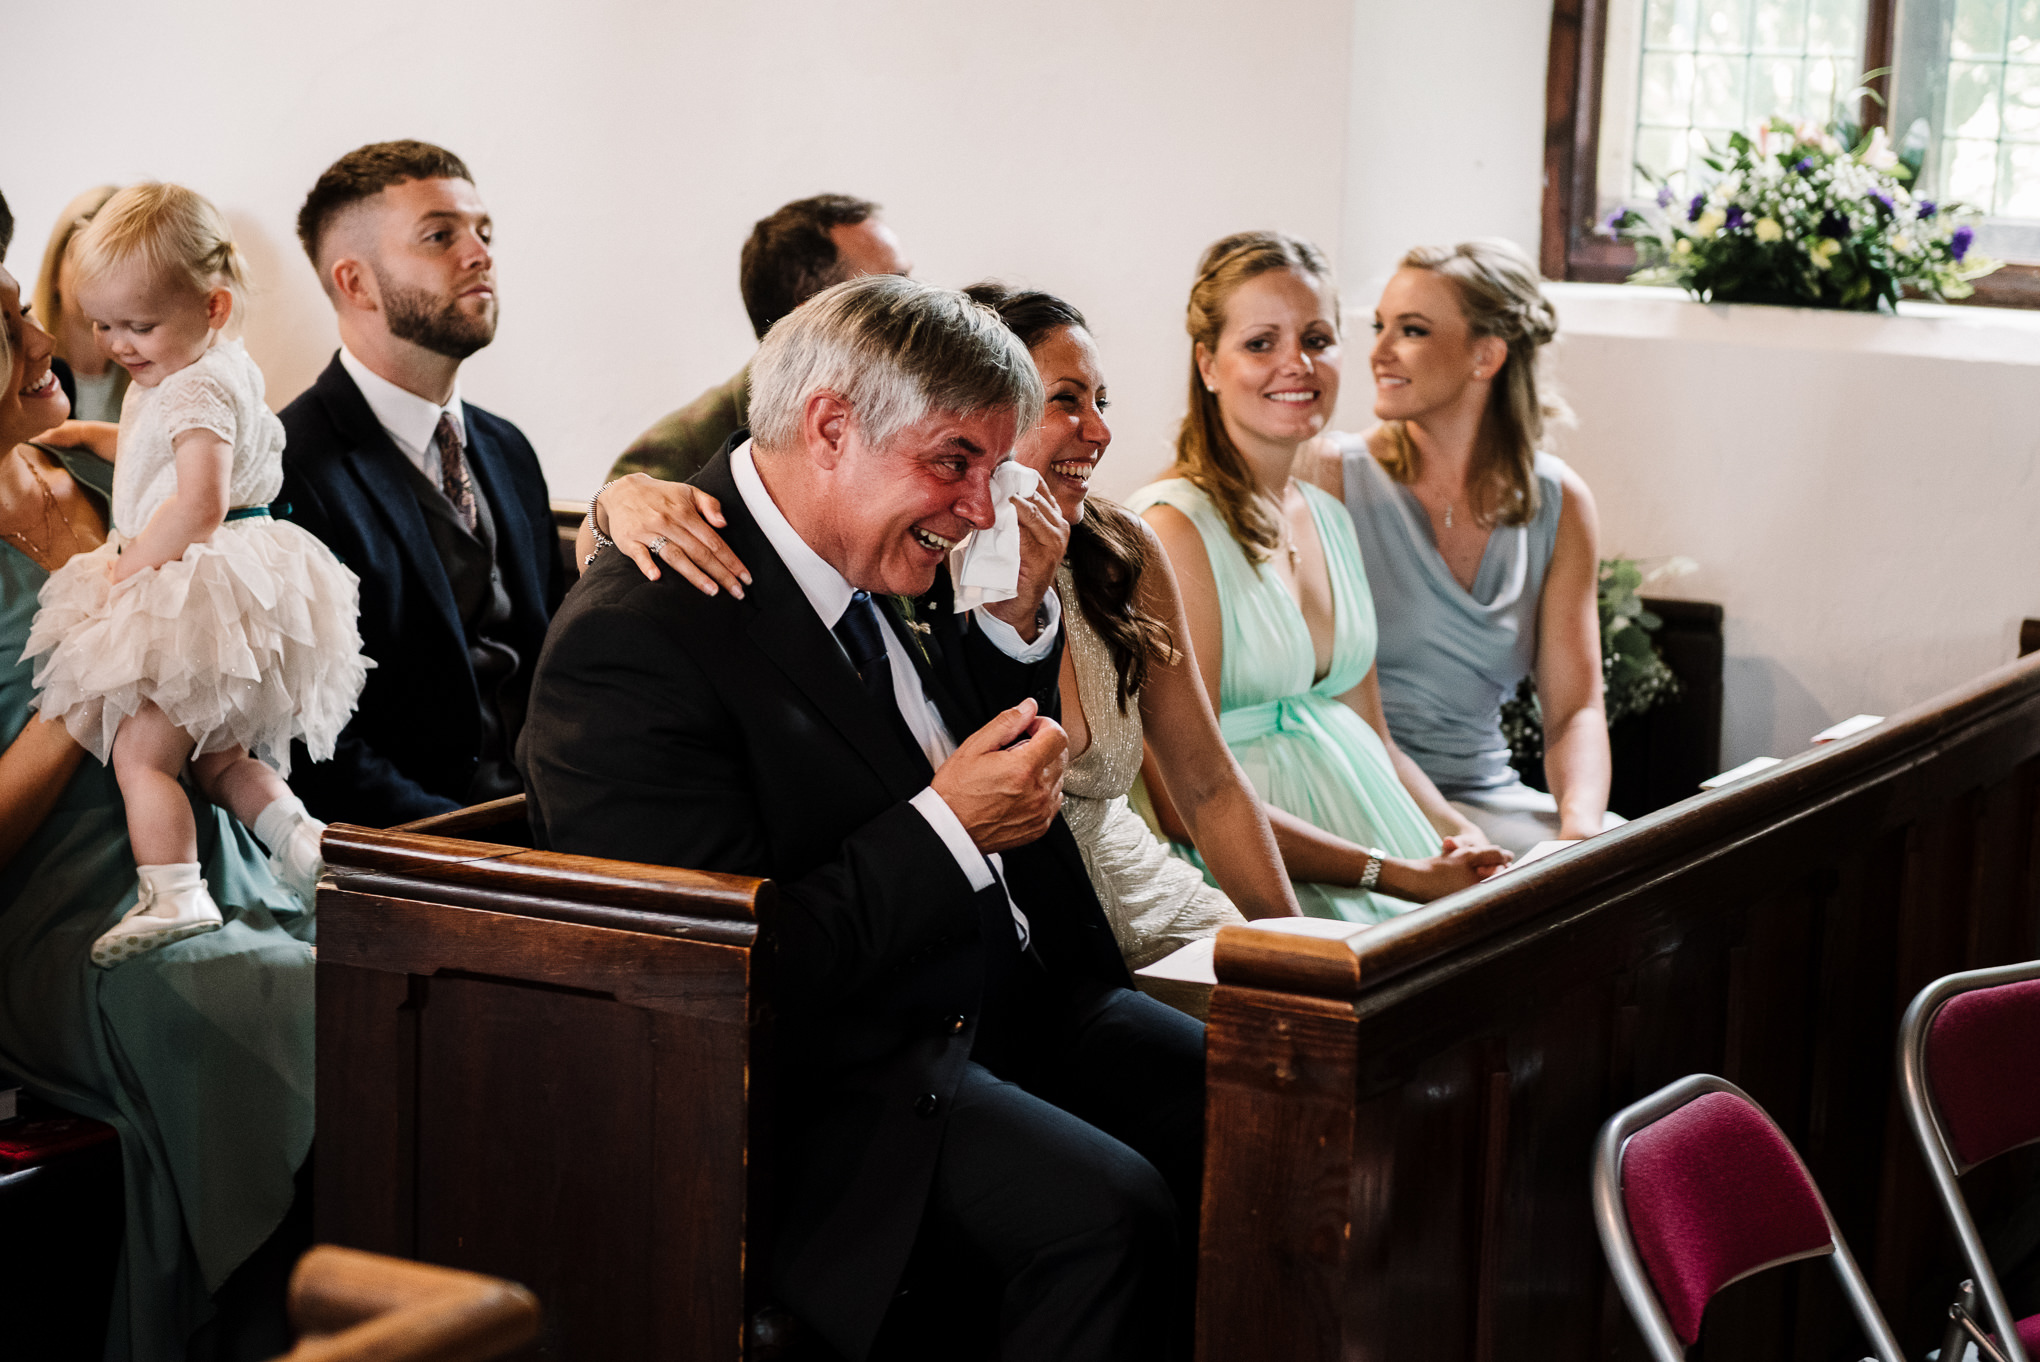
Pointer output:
x,y
1634,677
1793,217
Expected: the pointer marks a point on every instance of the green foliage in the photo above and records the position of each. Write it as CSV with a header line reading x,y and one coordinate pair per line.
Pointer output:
x,y
1635,678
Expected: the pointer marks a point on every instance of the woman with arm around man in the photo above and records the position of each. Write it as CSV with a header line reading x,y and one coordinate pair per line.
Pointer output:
x,y
1126,668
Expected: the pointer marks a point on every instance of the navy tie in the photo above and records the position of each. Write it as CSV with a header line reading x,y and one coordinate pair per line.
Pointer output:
x,y
862,635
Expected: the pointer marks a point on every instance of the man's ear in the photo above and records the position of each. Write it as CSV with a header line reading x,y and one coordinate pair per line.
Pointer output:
x,y
825,427
350,280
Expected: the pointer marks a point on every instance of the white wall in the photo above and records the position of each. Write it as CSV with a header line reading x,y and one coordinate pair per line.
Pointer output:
x,y
1446,139
625,147
1862,493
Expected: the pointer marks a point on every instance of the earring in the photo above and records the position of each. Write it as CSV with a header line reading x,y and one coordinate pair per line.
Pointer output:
x,y
1477,373
1211,387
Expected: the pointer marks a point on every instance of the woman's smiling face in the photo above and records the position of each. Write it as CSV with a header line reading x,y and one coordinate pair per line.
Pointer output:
x,y
1276,368
32,402
1066,447
1425,355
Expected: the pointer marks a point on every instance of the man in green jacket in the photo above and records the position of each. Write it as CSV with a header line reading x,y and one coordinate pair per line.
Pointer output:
x,y
792,255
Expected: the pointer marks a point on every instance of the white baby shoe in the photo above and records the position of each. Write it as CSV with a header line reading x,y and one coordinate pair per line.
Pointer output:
x,y
292,836
173,905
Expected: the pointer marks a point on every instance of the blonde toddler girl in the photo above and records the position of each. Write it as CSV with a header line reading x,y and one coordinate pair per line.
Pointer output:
x,y
204,634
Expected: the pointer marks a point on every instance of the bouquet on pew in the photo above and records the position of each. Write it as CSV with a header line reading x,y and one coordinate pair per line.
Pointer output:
x,y
1793,216
1634,677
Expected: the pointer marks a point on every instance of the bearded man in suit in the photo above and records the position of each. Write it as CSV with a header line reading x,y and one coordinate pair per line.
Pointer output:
x,y
963,1077
439,507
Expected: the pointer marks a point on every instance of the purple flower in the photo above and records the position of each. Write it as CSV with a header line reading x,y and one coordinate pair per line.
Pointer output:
x,y
1882,198
1804,165
1664,196
1613,222
1927,208
1693,208
1958,244
1834,225
1736,217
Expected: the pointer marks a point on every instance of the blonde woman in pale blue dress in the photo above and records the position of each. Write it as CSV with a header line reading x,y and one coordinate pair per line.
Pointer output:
x,y
1280,618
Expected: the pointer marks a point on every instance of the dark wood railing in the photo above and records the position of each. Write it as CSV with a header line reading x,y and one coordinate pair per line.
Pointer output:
x,y
1399,1128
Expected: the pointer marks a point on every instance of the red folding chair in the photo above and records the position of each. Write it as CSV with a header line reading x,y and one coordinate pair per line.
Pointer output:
x,y
1695,1188
1969,1068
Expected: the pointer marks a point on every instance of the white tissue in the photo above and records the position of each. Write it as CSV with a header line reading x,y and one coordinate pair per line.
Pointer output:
x,y
987,568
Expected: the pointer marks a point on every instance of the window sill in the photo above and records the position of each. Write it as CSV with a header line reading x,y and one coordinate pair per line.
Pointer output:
x,y
1927,330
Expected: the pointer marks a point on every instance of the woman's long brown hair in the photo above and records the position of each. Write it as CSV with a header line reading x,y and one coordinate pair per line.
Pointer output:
x,y
1109,546
1205,455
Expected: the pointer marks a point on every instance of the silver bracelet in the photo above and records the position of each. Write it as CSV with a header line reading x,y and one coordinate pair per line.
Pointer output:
x,y
602,541
1371,876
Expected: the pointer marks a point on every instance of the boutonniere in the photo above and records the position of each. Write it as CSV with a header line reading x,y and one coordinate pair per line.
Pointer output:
x,y
921,632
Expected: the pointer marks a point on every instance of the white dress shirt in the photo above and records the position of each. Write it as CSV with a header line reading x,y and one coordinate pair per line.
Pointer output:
x,y
411,421
829,594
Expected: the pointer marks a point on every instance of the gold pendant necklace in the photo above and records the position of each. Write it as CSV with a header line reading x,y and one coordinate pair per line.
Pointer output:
x,y
51,513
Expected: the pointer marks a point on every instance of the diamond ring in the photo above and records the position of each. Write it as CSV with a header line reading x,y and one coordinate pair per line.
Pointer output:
x,y
657,544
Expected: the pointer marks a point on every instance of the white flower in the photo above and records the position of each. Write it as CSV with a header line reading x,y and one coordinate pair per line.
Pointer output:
x,y
1879,155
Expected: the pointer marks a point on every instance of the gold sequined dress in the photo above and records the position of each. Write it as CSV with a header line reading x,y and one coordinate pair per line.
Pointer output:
x,y
1155,902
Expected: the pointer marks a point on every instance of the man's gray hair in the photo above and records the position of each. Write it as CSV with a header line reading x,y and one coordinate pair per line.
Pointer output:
x,y
894,350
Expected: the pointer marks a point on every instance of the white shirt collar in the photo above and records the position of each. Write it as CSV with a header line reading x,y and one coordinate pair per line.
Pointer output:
x,y
827,590
409,419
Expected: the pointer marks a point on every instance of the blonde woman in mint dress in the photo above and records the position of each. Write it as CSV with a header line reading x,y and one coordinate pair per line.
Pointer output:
x,y
1281,621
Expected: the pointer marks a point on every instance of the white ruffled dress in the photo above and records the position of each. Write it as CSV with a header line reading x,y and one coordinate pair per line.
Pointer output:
x,y
249,639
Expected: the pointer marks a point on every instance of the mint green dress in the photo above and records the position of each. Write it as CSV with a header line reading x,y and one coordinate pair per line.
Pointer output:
x,y
199,1054
1303,750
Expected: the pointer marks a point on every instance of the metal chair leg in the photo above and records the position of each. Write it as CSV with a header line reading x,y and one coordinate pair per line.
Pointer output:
x,y
1963,1329
1955,1341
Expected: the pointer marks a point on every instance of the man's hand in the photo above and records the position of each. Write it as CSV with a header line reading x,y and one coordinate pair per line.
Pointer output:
x,y
1044,536
1005,782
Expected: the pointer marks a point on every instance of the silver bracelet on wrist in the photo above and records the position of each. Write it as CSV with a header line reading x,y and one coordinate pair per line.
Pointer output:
x,y
602,541
1371,876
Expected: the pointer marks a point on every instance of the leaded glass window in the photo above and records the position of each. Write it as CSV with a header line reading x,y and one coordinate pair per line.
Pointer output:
x,y
1681,74
1968,92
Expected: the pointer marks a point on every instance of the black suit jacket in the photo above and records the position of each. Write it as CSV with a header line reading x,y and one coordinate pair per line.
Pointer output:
x,y
719,734
414,741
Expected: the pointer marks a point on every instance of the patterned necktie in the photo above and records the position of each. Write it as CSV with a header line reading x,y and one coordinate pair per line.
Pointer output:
x,y
453,470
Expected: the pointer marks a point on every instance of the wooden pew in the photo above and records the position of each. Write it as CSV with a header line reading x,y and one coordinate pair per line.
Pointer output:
x,y
537,1067
1399,1129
